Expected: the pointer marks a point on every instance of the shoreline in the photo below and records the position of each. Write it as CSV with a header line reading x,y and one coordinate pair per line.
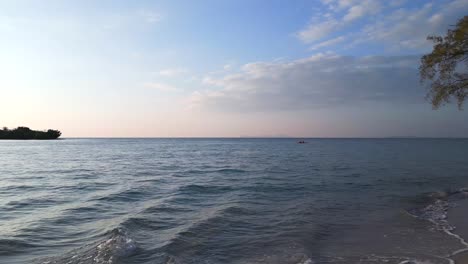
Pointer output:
x,y
457,216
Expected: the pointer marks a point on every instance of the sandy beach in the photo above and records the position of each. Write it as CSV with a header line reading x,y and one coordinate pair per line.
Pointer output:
x,y
457,217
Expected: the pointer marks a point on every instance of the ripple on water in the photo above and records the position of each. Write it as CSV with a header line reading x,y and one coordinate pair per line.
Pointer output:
x,y
197,189
33,203
14,246
226,201
114,248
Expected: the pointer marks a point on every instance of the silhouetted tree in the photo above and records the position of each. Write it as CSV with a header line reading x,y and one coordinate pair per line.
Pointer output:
x,y
26,133
53,133
446,66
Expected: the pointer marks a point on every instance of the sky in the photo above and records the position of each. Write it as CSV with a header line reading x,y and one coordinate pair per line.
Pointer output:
x,y
233,68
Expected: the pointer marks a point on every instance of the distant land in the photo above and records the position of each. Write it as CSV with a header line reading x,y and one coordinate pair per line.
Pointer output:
x,y
24,133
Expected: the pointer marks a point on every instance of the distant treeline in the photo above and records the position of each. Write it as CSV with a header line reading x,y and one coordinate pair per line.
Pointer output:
x,y
26,133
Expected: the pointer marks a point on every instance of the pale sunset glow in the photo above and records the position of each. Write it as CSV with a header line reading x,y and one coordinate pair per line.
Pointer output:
x,y
233,131
329,68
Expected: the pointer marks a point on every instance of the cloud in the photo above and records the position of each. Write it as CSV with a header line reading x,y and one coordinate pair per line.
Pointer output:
x,y
337,5
316,31
319,81
387,23
160,86
325,24
408,28
328,43
368,7
173,72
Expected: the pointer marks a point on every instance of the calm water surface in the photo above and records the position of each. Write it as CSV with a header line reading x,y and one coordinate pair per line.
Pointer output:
x,y
226,200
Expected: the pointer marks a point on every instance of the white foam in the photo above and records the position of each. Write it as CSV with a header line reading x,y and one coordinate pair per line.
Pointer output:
x,y
119,245
436,213
307,261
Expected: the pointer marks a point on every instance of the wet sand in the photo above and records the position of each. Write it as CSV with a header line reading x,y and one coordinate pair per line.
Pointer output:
x,y
458,217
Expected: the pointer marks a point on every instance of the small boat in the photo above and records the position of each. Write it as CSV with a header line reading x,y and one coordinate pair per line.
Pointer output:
x,y
301,142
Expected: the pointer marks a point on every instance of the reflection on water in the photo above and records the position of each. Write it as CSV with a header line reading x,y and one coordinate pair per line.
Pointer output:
x,y
229,200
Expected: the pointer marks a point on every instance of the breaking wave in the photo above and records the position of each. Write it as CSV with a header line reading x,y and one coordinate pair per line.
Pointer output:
x,y
114,249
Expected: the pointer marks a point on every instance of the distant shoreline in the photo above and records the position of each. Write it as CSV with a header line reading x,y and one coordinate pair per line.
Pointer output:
x,y
25,133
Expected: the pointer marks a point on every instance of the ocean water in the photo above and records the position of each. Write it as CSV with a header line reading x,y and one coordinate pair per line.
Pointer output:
x,y
230,200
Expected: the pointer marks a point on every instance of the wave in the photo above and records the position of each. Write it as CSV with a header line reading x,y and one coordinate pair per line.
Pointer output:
x,y
231,226
13,246
203,189
165,209
128,195
84,186
113,249
438,205
31,203
63,171
231,170
195,242
436,213
20,187
225,170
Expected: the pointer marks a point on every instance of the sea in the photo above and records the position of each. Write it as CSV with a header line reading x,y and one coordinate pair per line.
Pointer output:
x,y
230,200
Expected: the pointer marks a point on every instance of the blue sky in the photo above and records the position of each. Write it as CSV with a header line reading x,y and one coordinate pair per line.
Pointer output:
x,y
324,68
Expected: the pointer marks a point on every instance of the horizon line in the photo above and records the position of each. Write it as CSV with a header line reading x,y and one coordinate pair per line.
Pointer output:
x,y
272,137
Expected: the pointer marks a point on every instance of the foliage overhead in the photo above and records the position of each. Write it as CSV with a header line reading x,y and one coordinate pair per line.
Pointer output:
x,y
446,67
26,133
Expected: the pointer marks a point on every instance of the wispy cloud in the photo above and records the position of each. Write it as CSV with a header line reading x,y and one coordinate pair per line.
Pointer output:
x,y
328,43
323,80
316,31
363,8
408,28
384,22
